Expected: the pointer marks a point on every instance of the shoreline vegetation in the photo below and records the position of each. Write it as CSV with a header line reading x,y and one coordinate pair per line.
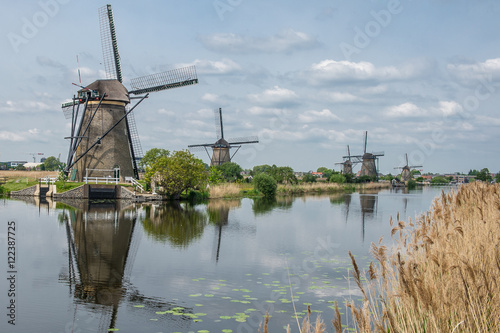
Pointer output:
x,y
18,180
440,275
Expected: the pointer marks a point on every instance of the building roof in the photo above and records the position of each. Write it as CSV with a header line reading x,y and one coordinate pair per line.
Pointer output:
x,y
31,165
114,90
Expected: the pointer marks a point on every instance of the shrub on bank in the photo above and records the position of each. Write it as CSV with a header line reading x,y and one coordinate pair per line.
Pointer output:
x,y
265,184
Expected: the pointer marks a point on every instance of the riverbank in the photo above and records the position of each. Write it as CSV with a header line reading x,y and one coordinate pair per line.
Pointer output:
x,y
441,275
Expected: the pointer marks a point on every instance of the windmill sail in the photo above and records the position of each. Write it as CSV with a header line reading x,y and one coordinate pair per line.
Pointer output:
x,y
175,78
109,44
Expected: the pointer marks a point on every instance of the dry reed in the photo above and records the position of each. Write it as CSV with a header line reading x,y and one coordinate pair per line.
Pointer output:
x,y
442,274
224,190
31,175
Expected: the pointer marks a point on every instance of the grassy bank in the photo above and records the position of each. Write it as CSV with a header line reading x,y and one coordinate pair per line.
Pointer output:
x,y
232,190
441,274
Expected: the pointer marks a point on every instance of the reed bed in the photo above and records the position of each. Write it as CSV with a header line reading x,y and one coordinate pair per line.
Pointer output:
x,y
440,275
321,187
31,175
225,190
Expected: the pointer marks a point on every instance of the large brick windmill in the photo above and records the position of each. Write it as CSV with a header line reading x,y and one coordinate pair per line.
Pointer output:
x,y
221,148
369,161
104,136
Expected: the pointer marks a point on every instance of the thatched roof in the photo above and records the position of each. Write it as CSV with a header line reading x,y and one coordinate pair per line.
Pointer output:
x,y
114,90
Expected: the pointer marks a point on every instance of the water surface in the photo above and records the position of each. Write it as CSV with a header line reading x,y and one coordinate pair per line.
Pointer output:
x,y
217,267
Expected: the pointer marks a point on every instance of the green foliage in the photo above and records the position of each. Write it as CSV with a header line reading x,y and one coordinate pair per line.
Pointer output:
x,y
20,168
260,169
365,179
177,173
152,156
52,164
230,171
412,184
309,178
388,177
439,180
414,172
484,175
420,179
265,184
497,177
327,173
215,176
337,178
349,177
473,172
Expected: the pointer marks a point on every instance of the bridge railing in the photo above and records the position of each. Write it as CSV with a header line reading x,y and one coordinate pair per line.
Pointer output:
x,y
101,180
47,180
135,183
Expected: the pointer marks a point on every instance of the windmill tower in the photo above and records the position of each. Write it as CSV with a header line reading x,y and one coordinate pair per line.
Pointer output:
x,y
347,164
103,131
370,161
406,170
221,148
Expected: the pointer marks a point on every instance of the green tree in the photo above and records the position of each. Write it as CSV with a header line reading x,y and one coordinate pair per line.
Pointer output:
x,y
484,175
309,178
266,184
52,164
177,173
152,156
497,177
215,176
337,178
473,172
260,169
439,180
231,171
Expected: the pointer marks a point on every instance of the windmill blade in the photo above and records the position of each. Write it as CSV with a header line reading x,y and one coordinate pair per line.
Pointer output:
x,y
109,44
406,157
244,140
365,141
175,78
201,146
219,129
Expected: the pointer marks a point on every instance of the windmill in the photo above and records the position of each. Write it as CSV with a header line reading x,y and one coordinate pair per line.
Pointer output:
x,y
406,170
103,129
221,148
347,164
369,166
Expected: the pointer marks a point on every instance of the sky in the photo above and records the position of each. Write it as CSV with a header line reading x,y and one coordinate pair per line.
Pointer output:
x,y
308,78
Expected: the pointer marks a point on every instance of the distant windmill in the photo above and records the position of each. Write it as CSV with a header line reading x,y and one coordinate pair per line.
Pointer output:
x,y
406,170
369,166
104,134
221,148
347,164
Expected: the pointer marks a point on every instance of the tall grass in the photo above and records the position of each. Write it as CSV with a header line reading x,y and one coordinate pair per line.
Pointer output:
x,y
225,190
442,274
439,276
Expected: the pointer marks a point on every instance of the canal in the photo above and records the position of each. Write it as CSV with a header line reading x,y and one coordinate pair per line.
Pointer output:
x,y
81,266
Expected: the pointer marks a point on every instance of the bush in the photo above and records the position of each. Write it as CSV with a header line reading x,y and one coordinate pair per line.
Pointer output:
x,y
309,178
337,178
265,184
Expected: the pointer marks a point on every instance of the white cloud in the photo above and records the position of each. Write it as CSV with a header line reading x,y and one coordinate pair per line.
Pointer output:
x,y
318,116
340,97
405,110
476,71
286,41
276,96
223,66
330,70
449,108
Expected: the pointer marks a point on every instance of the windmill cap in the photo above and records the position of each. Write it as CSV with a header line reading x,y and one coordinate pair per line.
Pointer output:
x,y
114,90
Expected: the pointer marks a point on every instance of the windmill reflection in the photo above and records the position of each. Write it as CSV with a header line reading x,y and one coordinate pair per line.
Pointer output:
x,y
218,214
103,240
368,202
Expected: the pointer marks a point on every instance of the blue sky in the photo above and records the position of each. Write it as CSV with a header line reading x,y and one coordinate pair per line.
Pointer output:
x,y
308,78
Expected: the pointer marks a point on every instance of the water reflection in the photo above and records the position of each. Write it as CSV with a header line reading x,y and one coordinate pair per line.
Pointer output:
x,y
218,214
176,223
102,244
264,205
